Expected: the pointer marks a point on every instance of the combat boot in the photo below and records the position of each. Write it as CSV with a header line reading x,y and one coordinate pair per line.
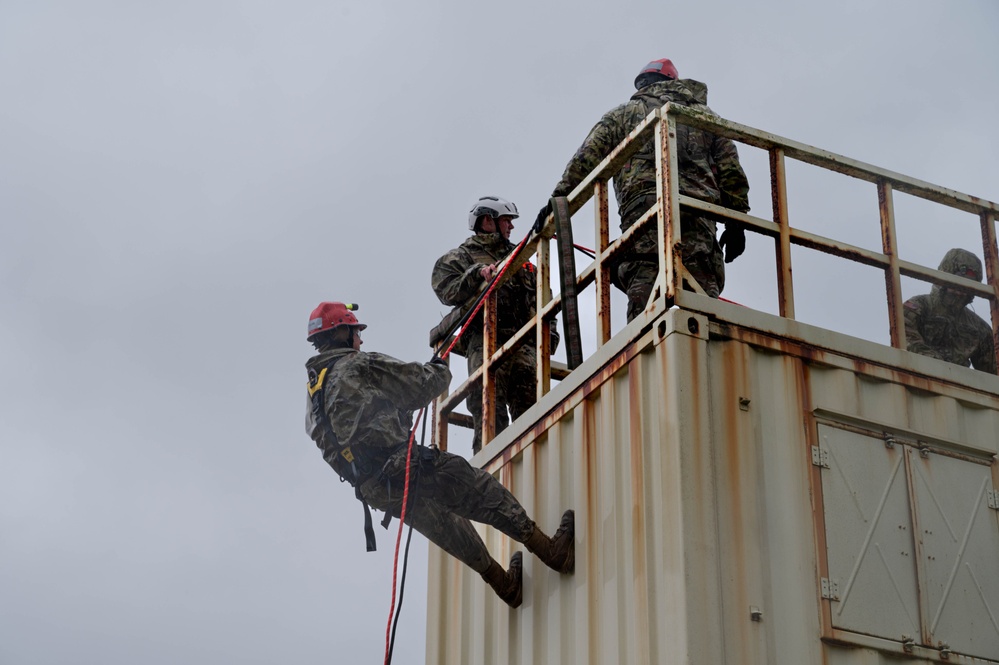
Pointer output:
x,y
558,553
507,583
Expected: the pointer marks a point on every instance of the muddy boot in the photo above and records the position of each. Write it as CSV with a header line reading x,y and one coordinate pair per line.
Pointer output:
x,y
558,553
507,583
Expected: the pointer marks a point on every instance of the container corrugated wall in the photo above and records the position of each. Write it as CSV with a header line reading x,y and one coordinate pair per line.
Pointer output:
x,y
697,456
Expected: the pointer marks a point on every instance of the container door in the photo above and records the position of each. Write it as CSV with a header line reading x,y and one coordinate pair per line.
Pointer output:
x,y
871,557
959,559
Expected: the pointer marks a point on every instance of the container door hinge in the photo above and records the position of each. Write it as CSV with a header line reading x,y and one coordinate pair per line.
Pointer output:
x,y
993,499
830,589
820,457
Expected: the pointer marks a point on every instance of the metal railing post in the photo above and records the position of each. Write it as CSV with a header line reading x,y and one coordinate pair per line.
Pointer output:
x,y
893,281
668,195
440,420
601,219
542,327
488,383
778,193
991,256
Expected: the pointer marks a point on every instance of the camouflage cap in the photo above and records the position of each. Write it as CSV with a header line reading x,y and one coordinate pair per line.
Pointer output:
x,y
962,263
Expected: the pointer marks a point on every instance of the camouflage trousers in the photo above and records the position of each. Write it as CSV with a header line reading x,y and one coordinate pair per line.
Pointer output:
x,y
516,387
700,252
445,493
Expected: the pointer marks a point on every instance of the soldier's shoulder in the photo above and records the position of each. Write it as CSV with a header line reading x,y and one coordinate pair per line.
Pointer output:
x,y
472,242
456,253
624,114
363,362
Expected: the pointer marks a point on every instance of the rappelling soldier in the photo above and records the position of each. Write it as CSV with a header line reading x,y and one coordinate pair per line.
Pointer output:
x,y
360,413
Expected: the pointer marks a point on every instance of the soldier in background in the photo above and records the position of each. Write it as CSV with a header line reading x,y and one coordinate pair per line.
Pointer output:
x,y
709,170
941,325
360,415
459,275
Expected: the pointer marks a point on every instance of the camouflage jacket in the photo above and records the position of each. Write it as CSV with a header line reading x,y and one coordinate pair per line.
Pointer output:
x,y
370,398
708,165
960,337
940,325
456,280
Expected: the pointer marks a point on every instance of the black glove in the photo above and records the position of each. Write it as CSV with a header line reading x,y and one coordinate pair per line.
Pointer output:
x,y
539,223
437,360
733,241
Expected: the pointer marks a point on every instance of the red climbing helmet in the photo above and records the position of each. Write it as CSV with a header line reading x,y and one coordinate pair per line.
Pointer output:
x,y
662,66
330,315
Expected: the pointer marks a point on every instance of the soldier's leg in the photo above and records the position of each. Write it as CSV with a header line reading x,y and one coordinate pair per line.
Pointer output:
x,y
639,267
702,268
519,382
638,278
702,255
474,494
453,534
474,400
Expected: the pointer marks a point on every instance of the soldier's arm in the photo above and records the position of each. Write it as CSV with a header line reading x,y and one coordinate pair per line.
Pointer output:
x,y
408,385
732,179
456,278
914,342
603,138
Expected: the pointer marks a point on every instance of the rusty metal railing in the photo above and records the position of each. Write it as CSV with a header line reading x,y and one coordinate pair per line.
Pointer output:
x,y
660,125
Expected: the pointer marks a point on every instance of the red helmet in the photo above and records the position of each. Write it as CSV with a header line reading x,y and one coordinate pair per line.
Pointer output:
x,y
330,315
662,66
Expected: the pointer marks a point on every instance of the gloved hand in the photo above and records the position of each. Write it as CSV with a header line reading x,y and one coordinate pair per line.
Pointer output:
x,y
733,241
437,360
539,223
553,339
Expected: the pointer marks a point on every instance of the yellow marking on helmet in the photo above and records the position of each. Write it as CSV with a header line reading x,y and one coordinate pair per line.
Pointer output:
x,y
313,388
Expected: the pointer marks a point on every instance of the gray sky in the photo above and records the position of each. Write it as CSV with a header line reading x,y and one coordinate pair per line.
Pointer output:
x,y
181,183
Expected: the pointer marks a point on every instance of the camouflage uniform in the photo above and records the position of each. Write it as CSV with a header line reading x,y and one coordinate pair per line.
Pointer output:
x,y
940,325
370,398
708,168
456,280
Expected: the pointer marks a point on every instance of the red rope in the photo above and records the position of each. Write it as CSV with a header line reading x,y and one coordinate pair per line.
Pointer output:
x,y
482,301
409,448
398,538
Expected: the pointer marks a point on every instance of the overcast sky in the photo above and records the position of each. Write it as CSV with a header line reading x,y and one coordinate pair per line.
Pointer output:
x,y
182,182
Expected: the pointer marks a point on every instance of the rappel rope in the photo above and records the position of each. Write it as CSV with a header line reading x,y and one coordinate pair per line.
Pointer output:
x,y
463,323
405,568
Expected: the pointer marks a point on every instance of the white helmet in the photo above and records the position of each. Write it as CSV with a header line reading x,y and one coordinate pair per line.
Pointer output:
x,y
493,206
